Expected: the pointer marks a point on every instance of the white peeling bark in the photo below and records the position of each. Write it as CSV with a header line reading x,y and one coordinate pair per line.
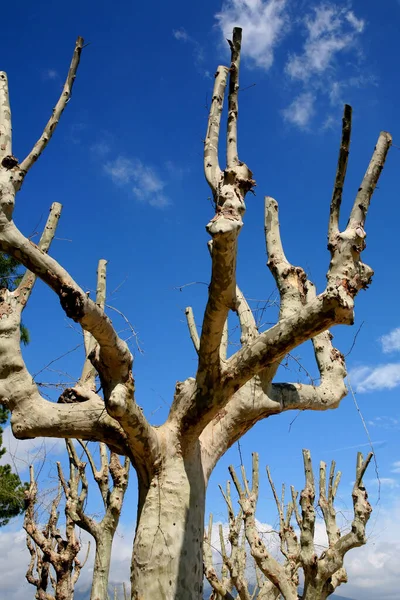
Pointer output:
x,y
167,552
5,118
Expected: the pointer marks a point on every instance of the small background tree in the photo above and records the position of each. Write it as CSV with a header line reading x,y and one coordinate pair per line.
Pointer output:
x,y
276,578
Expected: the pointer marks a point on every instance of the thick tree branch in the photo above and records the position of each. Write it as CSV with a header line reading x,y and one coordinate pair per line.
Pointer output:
x,y
347,274
229,188
344,150
232,158
307,530
25,287
5,118
361,204
248,326
211,164
194,335
113,361
52,123
362,510
115,357
88,376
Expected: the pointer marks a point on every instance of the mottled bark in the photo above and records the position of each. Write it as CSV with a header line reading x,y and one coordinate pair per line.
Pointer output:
x,y
167,558
101,567
228,394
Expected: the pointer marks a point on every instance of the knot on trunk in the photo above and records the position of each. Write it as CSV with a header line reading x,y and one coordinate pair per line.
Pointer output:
x,y
72,303
9,162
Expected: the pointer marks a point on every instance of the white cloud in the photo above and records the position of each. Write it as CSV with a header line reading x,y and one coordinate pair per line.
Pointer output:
x,y
391,341
366,565
396,467
329,31
381,377
198,53
180,34
358,24
385,422
145,183
300,110
384,482
50,74
22,453
100,149
264,23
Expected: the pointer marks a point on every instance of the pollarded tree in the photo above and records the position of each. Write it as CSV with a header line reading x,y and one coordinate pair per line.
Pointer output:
x,y
323,573
227,396
54,555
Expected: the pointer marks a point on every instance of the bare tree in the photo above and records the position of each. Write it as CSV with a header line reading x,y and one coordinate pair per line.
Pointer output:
x,y
76,492
322,573
49,549
228,395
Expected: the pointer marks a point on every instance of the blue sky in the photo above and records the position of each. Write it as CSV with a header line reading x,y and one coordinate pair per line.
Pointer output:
x,y
140,106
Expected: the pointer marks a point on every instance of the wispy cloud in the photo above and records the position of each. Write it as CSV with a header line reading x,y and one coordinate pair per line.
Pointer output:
x,y
22,453
50,75
387,482
391,341
381,377
396,467
300,111
181,34
328,31
76,131
146,184
385,422
378,444
198,52
100,149
265,23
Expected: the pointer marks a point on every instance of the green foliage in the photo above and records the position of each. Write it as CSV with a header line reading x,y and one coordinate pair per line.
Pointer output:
x,y
9,272
11,494
11,487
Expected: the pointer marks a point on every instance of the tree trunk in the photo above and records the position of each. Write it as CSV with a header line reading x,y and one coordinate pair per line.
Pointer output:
x,y
314,591
167,561
64,588
101,569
